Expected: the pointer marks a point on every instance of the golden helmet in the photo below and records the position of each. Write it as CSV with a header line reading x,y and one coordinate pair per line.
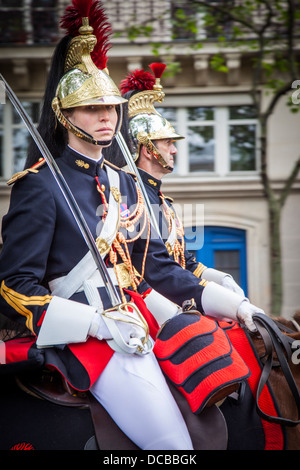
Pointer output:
x,y
146,124
83,82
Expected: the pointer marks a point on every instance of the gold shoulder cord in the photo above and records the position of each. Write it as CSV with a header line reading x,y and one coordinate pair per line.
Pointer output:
x,y
178,250
126,271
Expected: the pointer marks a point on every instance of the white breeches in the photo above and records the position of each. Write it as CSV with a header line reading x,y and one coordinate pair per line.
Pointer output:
x,y
134,392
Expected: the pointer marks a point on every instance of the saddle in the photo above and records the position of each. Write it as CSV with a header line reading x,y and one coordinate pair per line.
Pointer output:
x,y
24,361
208,431
198,358
52,386
253,416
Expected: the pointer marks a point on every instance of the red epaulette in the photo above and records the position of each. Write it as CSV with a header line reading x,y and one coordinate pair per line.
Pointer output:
x,y
21,174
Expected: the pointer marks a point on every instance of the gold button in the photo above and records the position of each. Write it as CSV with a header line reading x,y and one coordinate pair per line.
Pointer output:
x,y
102,187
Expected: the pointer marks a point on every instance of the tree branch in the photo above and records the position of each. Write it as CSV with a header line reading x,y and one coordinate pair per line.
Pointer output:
x,y
270,15
282,91
289,182
291,31
228,12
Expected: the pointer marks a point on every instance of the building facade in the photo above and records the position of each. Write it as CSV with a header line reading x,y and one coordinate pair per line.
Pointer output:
x,y
216,184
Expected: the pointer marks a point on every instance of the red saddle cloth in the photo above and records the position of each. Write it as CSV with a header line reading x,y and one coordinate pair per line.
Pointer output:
x,y
202,357
274,435
198,358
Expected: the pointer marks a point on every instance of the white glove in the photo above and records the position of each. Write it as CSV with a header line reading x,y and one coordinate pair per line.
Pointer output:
x,y
223,304
99,328
119,331
245,313
229,283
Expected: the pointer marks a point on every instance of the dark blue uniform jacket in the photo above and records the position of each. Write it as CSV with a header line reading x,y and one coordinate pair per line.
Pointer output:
x,y
153,188
41,242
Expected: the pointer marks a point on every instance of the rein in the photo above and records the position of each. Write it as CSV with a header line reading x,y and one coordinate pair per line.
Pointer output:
x,y
275,339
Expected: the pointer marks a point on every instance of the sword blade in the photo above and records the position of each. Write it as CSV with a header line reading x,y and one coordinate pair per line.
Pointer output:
x,y
68,195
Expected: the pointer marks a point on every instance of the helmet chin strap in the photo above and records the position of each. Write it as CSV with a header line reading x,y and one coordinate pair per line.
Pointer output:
x,y
144,140
158,157
89,138
169,168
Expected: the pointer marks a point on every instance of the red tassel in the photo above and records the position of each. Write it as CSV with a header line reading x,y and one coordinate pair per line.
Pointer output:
x,y
92,9
157,69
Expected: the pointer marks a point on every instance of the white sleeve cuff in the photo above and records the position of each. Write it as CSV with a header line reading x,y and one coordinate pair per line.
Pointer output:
x,y
161,308
65,322
220,303
211,274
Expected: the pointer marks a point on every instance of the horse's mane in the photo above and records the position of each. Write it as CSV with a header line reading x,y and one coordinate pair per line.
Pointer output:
x,y
292,324
10,329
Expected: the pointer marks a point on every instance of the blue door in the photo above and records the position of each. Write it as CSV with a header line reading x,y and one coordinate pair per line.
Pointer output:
x,y
224,248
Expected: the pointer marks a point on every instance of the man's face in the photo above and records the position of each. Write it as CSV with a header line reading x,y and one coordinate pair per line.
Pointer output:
x,y
167,149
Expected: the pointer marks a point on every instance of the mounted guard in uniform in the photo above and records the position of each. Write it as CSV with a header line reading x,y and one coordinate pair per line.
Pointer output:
x,y
51,284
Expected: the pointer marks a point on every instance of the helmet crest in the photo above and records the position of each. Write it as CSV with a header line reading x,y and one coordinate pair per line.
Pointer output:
x,y
145,122
86,80
71,21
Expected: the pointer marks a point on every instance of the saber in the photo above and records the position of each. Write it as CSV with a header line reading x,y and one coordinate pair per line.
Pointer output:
x,y
71,201
132,167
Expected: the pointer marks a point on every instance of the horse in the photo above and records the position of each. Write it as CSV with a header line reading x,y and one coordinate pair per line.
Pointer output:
x,y
39,410
278,382
279,375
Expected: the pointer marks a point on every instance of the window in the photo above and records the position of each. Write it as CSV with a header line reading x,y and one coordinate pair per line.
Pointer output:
x,y
21,136
44,17
15,140
228,261
201,139
242,137
11,22
219,140
36,21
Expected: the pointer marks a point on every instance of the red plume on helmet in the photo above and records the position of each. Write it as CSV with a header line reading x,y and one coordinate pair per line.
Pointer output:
x,y
141,80
92,9
138,80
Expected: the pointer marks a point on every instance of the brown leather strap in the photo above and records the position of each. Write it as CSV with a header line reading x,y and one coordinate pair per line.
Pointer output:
x,y
276,341
208,430
109,436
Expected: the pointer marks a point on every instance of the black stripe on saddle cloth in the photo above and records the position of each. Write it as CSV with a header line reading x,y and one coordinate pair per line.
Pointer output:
x,y
198,358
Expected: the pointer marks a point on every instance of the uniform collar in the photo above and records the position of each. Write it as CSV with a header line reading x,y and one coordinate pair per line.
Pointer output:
x,y
82,163
149,180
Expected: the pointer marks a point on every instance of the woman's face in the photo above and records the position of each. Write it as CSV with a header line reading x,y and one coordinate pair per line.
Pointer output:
x,y
97,120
